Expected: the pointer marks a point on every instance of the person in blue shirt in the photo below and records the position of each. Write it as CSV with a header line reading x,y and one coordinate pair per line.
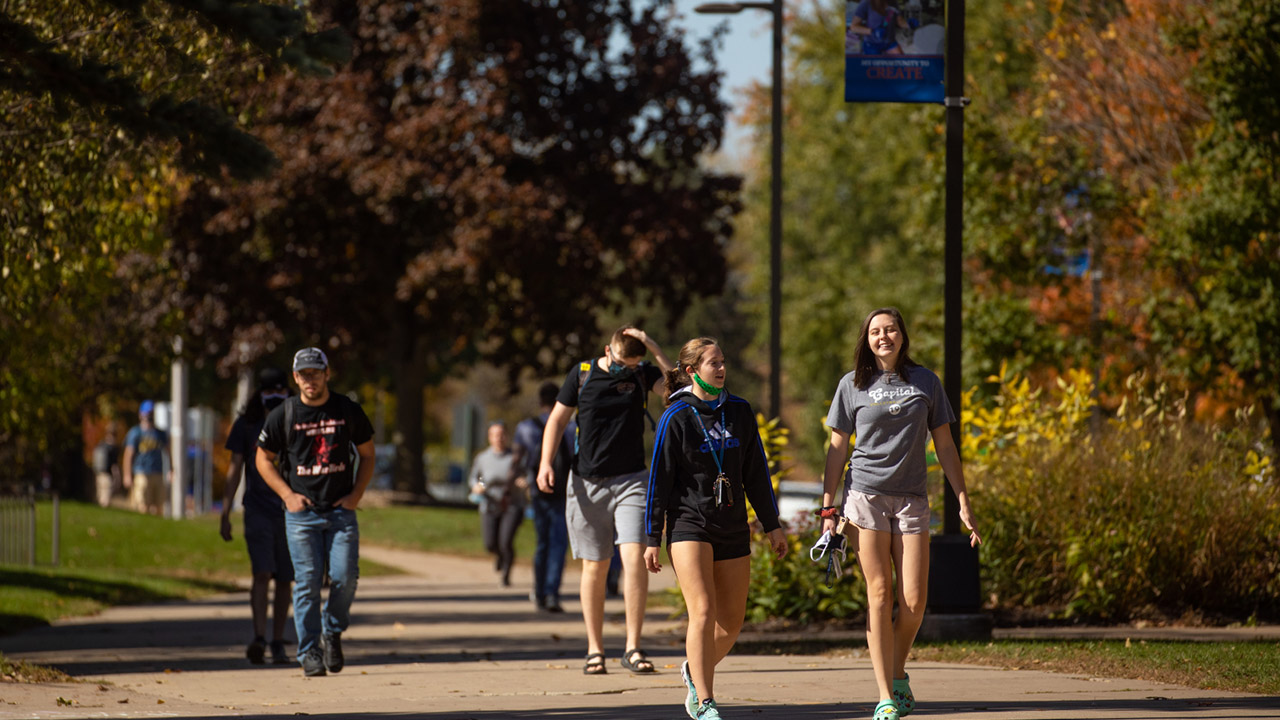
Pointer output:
x,y
146,452
548,508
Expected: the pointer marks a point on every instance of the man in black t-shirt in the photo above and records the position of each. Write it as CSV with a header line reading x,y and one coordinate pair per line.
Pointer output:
x,y
606,495
264,532
315,433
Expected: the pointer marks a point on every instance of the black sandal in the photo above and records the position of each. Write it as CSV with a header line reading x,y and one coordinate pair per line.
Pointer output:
x,y
594,668
640,666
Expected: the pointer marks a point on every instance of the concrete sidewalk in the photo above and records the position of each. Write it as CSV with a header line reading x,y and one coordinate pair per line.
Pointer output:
x,y
445,642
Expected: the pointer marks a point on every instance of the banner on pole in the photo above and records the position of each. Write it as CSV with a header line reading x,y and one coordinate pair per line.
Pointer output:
x,y
894,51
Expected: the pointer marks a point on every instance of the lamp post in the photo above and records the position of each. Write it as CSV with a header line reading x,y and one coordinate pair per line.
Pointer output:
x,y
775,198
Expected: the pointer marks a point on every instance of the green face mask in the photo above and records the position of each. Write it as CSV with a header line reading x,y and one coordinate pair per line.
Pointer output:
x,y
706,386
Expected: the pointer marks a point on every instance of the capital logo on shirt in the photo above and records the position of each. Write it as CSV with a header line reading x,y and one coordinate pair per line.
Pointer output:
x,y
625,388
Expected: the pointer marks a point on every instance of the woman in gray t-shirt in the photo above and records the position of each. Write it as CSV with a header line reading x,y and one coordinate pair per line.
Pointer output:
x,y
893,407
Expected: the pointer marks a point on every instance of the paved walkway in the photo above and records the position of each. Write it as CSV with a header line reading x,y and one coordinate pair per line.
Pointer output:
x,y
446,643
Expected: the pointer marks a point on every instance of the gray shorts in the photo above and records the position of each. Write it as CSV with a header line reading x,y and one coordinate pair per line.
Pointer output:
x,y
268,547
603,511
899,515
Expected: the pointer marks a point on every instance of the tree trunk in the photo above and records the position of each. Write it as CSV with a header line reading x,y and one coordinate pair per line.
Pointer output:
x,y
410,379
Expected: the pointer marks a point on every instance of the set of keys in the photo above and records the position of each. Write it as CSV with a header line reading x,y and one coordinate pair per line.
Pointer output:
x,y
723,492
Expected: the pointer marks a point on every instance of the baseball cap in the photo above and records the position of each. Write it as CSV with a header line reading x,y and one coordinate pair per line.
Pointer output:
x,y
311,358
272,377
147,407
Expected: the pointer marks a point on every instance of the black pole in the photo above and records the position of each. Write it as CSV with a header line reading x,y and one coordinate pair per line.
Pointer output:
x,y
954,222
775,223
955,593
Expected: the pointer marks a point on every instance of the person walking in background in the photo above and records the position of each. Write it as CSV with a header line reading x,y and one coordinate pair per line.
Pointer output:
x,y
314,434
498,479
548,508
605,499
892,406
264,533
707,462
146,452
106,468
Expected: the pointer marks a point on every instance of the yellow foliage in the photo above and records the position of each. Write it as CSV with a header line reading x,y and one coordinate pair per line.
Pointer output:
x,y
1018,414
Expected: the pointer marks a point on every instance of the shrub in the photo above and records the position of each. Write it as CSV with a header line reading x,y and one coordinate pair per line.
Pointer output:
x,y
1152,516
794,587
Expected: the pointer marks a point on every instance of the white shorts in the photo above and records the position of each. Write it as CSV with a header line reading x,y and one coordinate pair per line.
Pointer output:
x,y
899,515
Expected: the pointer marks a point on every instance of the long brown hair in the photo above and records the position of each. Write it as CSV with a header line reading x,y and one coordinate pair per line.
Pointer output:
x,y
690,355
864,361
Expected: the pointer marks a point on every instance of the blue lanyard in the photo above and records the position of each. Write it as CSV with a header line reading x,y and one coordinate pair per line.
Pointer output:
x,y
719,458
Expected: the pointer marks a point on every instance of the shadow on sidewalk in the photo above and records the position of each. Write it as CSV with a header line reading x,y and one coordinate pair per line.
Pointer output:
x,y
1159,708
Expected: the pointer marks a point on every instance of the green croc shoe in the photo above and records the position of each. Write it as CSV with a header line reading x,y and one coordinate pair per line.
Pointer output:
x,y
708,710
903,697
691,697
886,710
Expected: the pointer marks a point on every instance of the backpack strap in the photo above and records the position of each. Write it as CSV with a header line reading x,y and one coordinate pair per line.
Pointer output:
x,y
288,419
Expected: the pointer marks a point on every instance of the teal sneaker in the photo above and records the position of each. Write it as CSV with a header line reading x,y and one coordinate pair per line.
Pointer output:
x,y
886,710
690,698
708,710
902,696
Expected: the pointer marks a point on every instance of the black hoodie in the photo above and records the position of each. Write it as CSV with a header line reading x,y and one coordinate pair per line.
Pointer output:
x,y
683,471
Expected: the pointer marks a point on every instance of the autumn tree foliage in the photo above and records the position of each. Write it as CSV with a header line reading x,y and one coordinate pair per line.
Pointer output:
x,y
1144,149
477,183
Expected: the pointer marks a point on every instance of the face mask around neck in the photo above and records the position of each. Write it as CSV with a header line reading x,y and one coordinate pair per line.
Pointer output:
x,y
707,387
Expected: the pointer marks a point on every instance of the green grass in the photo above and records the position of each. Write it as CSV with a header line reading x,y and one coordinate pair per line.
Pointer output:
x,y
1243,667
117,557
453,531
1252,667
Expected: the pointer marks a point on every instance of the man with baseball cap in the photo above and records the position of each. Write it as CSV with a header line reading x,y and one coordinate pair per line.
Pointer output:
x,y
314,435
145,449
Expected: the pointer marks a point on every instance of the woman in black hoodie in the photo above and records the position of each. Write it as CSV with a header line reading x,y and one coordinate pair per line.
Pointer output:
x,y
707,461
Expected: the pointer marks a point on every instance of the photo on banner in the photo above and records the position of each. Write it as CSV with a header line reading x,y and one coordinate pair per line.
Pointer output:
x,y
894,50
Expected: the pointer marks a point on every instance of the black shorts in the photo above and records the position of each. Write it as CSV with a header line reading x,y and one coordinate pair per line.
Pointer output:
x,y
721,549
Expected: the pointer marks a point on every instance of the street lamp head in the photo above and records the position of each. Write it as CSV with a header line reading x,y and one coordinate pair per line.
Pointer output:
x,y
718,8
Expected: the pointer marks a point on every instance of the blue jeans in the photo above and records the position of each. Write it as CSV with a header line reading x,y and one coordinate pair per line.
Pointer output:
x,y
315,537
553,542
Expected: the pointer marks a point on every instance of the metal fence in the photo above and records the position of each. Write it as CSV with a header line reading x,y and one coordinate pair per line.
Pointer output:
x,y
18,526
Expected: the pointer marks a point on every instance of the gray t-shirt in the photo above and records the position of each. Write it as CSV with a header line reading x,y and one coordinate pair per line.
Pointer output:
x,y
495,469
890,422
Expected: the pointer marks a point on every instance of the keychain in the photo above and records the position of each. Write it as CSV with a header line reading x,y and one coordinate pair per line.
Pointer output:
x,y
723,491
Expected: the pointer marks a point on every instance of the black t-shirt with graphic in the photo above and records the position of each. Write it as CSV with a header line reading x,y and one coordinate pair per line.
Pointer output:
x,y
319,457
610,418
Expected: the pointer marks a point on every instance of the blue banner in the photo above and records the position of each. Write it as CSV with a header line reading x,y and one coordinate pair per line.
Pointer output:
x,y
894,51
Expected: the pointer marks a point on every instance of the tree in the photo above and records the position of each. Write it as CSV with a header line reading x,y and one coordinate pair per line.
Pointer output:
x,y
100,104
862,205
1219,226
478,183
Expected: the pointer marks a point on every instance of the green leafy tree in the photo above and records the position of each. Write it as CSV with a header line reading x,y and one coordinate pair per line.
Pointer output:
x,y
1221,227
862,205
101,105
